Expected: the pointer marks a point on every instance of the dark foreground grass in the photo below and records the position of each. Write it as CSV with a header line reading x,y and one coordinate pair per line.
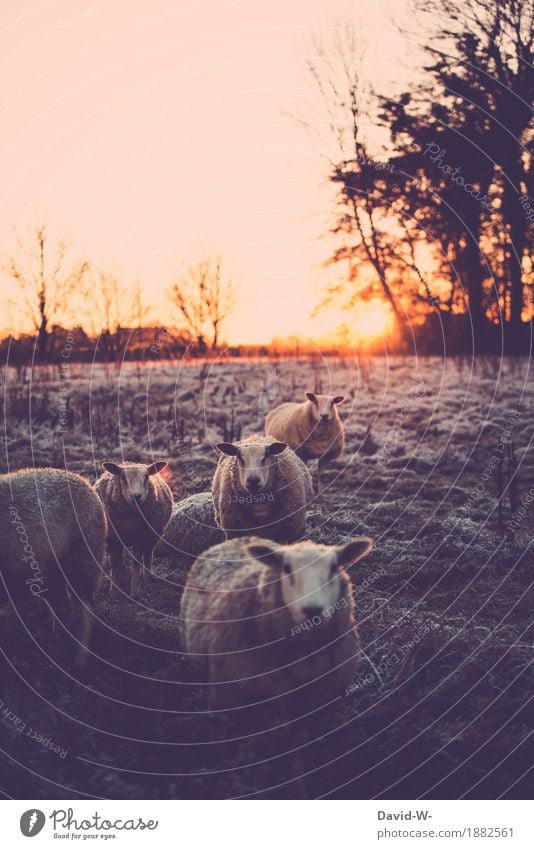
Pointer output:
x,y
442,705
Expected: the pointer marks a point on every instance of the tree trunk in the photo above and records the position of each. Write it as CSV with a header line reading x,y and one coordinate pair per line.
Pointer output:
x,y
403,328
515,218
472,275
215,340
42,341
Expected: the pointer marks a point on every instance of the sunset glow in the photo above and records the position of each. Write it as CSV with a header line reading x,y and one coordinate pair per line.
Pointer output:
x,y
144,133
371,320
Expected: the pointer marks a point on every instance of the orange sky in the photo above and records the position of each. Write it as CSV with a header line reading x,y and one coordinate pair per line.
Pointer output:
x,y
148,129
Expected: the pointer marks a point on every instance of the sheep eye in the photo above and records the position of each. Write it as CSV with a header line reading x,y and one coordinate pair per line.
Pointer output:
x,y
287,568
333,570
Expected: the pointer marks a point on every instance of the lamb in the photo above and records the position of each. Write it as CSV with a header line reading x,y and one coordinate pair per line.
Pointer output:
x,y
312,428
139,506
52,538
265,622
192,528
260,486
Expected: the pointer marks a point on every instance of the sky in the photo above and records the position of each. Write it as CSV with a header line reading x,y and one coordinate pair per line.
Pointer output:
x,y
150,131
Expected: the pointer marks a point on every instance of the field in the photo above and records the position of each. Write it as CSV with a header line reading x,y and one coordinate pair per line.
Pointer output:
x,y
442,706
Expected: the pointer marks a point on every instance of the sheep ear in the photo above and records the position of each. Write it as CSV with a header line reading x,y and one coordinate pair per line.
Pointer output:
x,y
112,468
275,448
227,448
353,551
338,399
157,467
266,554
311,397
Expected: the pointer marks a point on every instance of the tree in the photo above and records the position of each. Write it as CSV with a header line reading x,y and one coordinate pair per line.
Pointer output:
x,y
451,174
111,309
433,134
48,280
205,298
376,241
483,82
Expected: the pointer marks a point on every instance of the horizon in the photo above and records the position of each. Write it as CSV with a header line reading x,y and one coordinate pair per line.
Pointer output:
x,y
146,139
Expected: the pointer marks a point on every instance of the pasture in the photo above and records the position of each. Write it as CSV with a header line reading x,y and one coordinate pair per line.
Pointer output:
x,y
438,469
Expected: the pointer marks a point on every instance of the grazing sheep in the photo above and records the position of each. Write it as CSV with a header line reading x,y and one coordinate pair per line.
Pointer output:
x,y
52,539
273,622
192,528
261,487
139,505
312,428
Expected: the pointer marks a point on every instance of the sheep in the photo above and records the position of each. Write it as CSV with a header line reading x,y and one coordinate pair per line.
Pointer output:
x,y
311,428
139,506
192,528
260,486
52,538
263,622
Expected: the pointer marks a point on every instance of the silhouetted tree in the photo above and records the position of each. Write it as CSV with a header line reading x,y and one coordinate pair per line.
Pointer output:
x,y
442,178
111,309
48,280
452,173
485,77
205,298
378,244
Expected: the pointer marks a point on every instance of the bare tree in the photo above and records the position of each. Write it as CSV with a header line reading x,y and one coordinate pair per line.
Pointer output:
x,y
205,298
111,307
48,280
370,227
139,311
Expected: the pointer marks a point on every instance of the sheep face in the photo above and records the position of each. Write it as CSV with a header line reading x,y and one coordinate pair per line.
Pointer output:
x,y
311,575
134,479
323,407
255,463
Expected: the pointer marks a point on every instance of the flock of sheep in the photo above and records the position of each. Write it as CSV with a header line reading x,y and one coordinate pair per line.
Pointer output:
x,y
264,614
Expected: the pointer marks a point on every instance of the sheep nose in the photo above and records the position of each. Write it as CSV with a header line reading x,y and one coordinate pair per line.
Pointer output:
x,y
138,499
324,417
312,610
253,482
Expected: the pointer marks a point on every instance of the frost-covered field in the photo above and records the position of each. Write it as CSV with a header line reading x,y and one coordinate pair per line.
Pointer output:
x,y
443,702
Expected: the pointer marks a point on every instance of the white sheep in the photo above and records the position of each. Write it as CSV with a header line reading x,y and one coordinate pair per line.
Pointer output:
x,y
312,428
192,528
52,539
261,487
138,503
273,622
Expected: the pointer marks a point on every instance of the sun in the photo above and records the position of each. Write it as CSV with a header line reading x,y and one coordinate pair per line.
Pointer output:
x,y
370,320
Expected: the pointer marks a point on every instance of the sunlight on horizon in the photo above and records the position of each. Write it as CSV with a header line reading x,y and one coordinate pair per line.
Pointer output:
x,y
141,132
368,321
258,323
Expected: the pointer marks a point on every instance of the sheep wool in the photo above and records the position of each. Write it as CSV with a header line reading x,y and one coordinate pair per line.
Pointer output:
x,y
52,537
248,626
312,428
277,509
192,528
139,504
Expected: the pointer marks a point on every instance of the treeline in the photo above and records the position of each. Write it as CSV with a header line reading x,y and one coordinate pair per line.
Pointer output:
x,y
141,345
440,334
